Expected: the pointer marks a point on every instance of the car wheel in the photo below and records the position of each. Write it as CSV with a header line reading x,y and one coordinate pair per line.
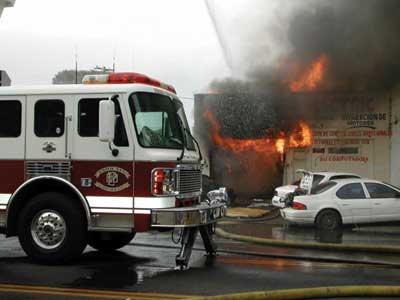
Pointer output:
x,y
109,241
52,228
328,220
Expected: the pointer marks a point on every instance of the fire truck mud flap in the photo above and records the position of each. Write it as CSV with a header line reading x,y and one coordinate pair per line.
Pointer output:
x,y
192,216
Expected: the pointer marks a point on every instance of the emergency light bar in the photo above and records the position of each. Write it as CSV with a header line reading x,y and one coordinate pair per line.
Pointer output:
x,y
127,77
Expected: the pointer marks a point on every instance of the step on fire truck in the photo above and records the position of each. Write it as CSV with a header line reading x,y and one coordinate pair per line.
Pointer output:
x,y
97,162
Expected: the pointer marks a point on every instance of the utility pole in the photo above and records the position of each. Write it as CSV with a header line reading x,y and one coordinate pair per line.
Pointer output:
x,y
76,65
113,66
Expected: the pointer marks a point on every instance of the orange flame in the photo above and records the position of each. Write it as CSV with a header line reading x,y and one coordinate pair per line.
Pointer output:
x,y
300,137
280,145
312,77
262,145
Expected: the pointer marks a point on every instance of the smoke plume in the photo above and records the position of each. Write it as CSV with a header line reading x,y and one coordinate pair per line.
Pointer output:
x,y
360,38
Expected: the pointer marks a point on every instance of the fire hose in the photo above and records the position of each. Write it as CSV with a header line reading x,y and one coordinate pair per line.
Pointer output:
x,y
312,293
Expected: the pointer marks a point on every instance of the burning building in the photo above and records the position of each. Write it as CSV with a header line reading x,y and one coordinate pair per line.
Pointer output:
x,y
330,102
347,132
243,145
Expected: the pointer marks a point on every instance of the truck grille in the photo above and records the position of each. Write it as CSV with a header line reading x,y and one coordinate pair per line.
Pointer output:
x,y
41,168
189,181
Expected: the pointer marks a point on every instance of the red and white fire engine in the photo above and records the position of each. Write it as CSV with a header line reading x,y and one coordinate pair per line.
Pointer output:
x,y
96,163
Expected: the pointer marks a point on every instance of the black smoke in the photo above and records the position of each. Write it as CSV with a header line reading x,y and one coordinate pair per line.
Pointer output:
x,y
361,39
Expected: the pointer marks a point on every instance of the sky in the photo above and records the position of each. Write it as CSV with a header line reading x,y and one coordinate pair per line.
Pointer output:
x,y
173,41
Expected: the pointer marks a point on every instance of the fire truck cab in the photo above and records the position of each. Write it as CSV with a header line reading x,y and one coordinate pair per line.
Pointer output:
x,y
95,163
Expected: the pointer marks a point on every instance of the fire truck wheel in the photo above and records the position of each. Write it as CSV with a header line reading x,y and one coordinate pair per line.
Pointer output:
x,y
52,228
109,241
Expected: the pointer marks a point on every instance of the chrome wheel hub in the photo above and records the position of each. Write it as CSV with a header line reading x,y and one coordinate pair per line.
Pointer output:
x,y
48,229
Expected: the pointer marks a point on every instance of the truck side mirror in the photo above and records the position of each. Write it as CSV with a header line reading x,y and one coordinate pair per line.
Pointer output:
x,y
106,120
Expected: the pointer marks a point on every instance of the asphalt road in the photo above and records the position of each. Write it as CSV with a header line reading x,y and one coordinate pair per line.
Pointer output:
x,y
147,271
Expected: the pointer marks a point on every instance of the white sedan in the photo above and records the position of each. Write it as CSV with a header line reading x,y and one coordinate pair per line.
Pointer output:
x,y
345,201
308,180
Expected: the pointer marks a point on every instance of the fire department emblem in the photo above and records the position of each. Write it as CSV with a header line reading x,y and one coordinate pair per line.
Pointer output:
x,y
112,179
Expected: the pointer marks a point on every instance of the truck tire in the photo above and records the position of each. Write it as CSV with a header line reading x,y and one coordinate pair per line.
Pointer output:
x,y
328,219
52,228
109,241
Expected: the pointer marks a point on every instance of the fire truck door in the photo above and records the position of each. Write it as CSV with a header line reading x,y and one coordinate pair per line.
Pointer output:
x,y
102,175
48,134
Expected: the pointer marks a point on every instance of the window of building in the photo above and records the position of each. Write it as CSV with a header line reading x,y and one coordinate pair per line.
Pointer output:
x,y
377,190
49,118
88,121
351,191
343,150
10,119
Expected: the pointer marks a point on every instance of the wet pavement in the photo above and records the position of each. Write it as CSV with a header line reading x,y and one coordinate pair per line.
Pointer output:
x,y
146,270
276,228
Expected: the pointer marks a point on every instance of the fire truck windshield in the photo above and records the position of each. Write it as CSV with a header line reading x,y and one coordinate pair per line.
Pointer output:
x,y
156,121
182,116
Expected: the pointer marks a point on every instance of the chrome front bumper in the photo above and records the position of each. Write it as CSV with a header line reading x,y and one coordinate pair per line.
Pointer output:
x,y
191,216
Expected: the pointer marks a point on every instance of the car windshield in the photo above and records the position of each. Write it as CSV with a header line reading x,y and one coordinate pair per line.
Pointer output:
x,y
156,120
322,187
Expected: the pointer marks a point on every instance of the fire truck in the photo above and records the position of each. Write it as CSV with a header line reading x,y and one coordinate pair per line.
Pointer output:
x,y
95,163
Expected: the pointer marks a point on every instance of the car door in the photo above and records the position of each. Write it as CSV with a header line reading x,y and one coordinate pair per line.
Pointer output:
x,y
385,202
353,203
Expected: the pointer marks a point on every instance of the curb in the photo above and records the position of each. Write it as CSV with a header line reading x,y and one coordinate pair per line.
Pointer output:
x,y
312,293
325,246
244,215
271,214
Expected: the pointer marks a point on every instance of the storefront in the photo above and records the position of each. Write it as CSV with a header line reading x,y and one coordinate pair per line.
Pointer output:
x,y
357,133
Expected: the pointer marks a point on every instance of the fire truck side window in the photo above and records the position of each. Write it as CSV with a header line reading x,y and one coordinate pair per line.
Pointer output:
x,y
49,118
10,119
88,121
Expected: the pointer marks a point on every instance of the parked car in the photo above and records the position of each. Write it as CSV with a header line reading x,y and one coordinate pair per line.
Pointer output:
x,y
283,194
346,201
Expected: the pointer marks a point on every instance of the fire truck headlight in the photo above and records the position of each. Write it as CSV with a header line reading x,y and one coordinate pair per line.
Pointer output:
x,y
163,182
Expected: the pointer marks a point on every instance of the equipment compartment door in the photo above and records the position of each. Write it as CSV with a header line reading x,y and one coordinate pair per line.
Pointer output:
x,y
12,145
48,127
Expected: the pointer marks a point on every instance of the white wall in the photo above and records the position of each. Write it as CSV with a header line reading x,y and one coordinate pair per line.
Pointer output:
x,y
395,140
344,128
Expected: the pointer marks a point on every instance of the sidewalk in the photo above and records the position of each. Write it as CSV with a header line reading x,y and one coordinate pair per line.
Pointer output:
x,y
246,212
